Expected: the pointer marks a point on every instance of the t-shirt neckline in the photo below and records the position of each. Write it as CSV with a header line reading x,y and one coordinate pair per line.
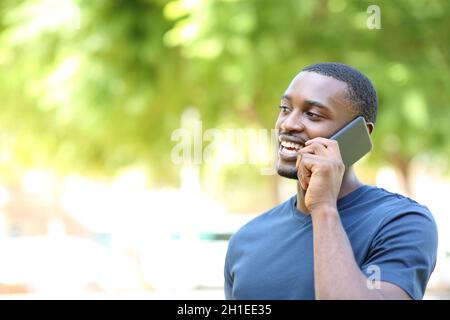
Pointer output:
x,y
341,202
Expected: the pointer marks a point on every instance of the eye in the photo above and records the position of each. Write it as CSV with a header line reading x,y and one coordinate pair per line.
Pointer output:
x,y
312,115
284,109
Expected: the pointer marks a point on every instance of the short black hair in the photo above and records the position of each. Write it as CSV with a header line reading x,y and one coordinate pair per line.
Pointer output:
x,y
360,90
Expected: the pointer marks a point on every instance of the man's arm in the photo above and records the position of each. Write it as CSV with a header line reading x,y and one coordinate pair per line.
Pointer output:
x,y
336,273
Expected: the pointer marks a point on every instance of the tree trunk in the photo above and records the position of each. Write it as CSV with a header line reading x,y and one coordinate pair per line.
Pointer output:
x,y
402,166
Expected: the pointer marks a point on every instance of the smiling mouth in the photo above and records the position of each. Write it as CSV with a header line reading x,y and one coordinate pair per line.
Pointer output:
x,y
289,150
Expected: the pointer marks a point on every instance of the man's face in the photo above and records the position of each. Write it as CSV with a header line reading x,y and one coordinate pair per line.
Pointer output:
x,y
312,106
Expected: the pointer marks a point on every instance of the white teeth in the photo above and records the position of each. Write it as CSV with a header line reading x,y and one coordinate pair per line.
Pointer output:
x,y
288,144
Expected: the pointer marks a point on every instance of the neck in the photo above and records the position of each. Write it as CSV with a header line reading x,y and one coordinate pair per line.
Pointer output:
x,y
350,183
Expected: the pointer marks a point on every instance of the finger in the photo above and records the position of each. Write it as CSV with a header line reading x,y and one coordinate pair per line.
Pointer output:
x,y
314,148
298,165
306,176
309,161
328,143
299,158
304,169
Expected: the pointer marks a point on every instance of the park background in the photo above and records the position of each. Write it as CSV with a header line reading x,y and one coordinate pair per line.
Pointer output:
x,y
135,134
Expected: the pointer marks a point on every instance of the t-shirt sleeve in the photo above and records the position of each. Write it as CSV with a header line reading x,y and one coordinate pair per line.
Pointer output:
x,y
404,251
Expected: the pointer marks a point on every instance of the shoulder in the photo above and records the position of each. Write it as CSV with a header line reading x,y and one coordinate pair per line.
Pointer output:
x,y
388,206
398,206
392,215
400,217
404,245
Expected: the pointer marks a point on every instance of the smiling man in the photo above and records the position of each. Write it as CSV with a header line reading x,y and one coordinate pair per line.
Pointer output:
x,y
337,238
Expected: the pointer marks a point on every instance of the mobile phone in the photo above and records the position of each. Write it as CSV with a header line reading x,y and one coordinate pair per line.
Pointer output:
x,y
354,141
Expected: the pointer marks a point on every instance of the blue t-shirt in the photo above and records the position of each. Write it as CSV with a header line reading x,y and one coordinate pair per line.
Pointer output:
x,y
393,238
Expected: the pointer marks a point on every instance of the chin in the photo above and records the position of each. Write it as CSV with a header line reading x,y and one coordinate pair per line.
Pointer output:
x,y
286,170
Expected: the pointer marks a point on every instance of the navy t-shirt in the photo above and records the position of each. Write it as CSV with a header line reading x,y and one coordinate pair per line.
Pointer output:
x,y
393,238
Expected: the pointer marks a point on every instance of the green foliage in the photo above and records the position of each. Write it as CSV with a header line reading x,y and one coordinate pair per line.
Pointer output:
x,y
104,89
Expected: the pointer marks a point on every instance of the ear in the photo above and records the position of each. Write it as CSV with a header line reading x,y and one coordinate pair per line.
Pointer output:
x,y
370,126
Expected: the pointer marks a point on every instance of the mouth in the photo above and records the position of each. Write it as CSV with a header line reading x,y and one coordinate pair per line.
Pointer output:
x,y
288,150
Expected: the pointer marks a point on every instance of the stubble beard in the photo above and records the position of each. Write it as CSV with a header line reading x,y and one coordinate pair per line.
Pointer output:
x,y
286,171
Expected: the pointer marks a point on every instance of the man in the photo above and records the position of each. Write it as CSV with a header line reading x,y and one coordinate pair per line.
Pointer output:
x,y
337,238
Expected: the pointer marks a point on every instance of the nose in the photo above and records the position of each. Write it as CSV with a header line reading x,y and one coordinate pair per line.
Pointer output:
x,y
292,122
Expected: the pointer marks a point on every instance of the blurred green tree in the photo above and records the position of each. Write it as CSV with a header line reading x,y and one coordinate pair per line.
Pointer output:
x,y
95,86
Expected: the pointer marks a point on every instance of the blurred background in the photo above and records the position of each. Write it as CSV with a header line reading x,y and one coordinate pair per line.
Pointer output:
x,y
135,135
